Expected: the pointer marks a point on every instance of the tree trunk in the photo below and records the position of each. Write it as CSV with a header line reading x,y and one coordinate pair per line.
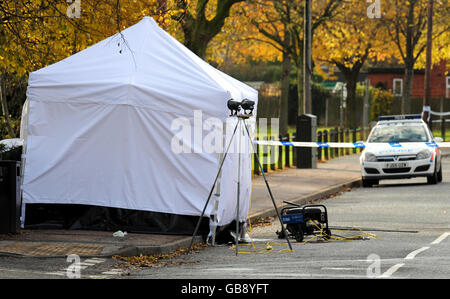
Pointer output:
x,y
197,47
197,36
5,109
409,60
350,111
199,31
406,97
351,79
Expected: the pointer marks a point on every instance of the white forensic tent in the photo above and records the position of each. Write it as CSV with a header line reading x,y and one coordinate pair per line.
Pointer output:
x,y
98,126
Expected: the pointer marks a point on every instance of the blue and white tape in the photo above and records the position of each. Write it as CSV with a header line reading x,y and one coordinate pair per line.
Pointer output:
x,y
339,144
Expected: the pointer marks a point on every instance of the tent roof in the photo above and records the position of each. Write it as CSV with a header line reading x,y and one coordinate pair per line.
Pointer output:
x,y
142,66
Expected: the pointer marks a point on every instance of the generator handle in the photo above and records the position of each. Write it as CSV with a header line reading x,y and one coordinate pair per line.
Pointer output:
x,y
315,205
292,203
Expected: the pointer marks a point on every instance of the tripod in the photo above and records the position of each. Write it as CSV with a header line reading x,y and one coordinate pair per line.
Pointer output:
x,y
241,121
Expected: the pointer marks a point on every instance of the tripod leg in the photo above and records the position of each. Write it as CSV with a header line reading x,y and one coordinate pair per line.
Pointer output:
x,y
238,187
268,188
212,189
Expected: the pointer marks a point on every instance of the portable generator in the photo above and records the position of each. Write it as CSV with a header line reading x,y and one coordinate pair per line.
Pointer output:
x,y
304,220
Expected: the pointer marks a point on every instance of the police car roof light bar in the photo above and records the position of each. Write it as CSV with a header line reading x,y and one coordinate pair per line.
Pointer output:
x,y
399,117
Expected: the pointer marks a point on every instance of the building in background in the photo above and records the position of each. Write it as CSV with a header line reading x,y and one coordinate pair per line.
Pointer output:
x,y
392,78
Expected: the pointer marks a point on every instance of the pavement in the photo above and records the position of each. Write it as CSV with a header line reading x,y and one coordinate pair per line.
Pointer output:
x,y
294,185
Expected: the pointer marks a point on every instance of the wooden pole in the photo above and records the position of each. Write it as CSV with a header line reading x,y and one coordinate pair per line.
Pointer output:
x,y
426,100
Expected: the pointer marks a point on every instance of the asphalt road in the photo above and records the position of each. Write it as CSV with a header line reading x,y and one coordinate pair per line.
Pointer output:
x,y
409,220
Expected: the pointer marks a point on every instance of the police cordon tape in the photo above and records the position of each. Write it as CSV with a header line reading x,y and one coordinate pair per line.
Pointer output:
x,y
428,109
341,144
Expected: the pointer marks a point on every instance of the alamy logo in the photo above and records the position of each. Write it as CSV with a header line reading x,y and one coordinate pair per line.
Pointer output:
x,y
73,271
211,135
74,9
374,9
374,269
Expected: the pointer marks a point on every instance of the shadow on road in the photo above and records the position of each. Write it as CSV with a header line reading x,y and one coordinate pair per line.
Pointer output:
x,y
384,185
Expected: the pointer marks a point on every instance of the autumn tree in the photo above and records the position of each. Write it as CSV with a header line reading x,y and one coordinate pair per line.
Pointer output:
x,y
346,43
18,47
239,42
406,22
250,42
201,21
282,24
34,34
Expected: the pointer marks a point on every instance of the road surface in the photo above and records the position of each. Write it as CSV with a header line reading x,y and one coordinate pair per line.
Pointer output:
x,y
409,219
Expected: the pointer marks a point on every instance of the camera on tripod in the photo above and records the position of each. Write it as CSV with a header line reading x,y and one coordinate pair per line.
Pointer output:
x,y
235,107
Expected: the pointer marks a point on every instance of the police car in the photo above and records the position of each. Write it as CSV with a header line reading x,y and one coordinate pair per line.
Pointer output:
x,y
400,147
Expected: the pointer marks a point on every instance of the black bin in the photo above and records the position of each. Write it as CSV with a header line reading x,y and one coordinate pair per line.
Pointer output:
x,y
10,203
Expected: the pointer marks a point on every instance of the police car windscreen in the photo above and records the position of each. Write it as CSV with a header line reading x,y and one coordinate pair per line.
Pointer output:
x,y
398,133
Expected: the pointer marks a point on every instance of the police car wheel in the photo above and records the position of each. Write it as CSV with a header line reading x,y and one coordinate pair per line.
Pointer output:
x,y
369,183
439,174
434,178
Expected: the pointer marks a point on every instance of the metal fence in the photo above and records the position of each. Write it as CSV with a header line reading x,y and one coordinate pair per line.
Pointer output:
x,y
440,126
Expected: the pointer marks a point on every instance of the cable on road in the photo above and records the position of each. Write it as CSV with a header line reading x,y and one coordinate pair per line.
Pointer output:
x,y
321,237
